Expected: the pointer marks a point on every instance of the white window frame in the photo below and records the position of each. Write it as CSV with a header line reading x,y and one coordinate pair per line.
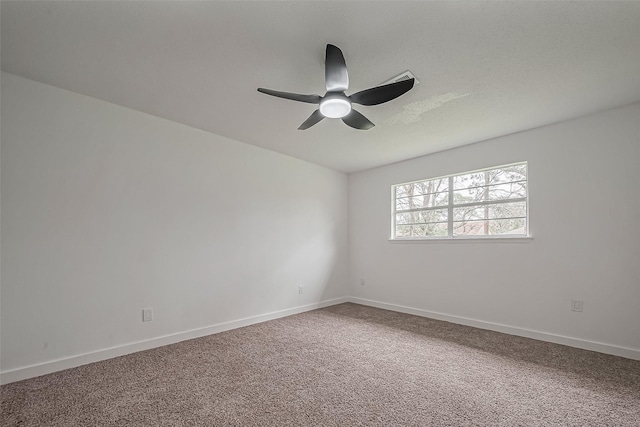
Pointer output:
x,y
450,206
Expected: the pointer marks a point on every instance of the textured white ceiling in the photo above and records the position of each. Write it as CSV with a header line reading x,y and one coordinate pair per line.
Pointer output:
x,y
486,68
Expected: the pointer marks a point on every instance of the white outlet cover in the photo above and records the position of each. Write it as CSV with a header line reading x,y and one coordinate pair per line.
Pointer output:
x,y
576,305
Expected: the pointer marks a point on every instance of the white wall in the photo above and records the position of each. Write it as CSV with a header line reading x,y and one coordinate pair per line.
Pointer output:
x,y
584,178
106,210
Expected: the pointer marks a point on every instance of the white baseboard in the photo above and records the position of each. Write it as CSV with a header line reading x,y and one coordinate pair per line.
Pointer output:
x,y
629,353
36,370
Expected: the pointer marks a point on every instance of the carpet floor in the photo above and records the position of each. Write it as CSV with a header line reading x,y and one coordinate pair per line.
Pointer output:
x,y
345,365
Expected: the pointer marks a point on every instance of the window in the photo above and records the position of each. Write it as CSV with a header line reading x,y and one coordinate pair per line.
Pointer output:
x,y
484,203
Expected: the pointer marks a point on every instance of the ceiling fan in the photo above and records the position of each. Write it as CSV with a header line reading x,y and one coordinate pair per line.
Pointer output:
x,y
335,104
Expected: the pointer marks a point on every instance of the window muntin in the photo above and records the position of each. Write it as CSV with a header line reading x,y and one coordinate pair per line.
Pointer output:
x,y
485,203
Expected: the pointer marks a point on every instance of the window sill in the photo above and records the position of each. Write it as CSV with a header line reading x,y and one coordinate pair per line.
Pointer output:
x,y
500,239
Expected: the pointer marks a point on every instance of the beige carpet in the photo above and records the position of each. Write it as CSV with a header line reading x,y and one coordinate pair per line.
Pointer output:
x,y
346,365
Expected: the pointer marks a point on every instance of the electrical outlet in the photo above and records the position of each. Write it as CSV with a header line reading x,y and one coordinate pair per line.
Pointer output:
x,y
576,305
300,289
362,282
147,314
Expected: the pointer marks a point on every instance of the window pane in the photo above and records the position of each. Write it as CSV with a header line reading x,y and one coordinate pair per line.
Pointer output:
x,y
422,187
468,180
431,223
422,208
496,176
512,190
497,211
422,217
422,201
422,230
490,227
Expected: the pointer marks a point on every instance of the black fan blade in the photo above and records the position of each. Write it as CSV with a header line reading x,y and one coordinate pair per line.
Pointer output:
x,y
311,99
314,118
357,121
335,70
381,94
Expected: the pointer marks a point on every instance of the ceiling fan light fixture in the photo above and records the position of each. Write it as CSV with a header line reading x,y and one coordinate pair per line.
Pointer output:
x,y
335,107
335,104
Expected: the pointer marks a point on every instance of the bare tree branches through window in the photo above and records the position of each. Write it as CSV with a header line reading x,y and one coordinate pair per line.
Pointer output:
x,y
490,202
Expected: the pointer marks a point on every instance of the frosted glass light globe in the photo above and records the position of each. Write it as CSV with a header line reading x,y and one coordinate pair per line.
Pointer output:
x,y
334,107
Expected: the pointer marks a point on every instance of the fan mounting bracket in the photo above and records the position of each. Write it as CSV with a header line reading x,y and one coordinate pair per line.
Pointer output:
x,y
406,75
